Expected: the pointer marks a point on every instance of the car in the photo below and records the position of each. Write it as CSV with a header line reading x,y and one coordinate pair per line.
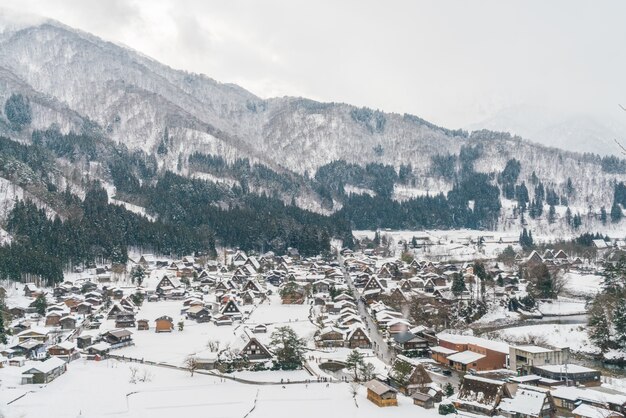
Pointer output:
x,y
447,372
436,369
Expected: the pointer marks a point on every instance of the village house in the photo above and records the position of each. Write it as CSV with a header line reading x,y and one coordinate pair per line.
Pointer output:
x,y
68,322
44,371
358,338
255,350
65,350
231,309
143,325
423,399
527,402
118,338
568,398
330,337
409,343
164,324
259,329
523,357
471,353
588,411
480,395
381,394
39,334
125,320
571,374
418,380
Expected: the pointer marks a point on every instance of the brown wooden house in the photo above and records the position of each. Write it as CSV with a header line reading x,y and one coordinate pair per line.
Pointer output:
x,y
381,394
358,338
164,324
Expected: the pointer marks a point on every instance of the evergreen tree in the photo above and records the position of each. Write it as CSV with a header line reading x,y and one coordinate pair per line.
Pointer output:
x,y
288,347
526,240
3,331
568,216
138,274
41,304
18,112
616,212
448,390
598,326
458,284
619,322
569,188
603,215
355,362
551,214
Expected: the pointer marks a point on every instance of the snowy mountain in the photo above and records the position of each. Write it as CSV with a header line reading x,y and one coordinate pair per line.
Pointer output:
x,y
573,132
78,82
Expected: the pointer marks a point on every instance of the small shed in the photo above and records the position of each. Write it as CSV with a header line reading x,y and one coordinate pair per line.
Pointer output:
x,y
381,394
164,324
424,400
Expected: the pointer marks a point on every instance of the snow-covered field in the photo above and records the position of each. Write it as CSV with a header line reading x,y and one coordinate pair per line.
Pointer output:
x,y
583,284
572,335
172,348
99,389
562,307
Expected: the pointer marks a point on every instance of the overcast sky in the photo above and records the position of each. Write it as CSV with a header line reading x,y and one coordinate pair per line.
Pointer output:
x,y
452,62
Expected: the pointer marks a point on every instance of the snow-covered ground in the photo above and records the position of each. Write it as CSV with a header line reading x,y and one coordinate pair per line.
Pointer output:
x,y
99,389
132,208
583,284
572,335
350,189
562,307
172,348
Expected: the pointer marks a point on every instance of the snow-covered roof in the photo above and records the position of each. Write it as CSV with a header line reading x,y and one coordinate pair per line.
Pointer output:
x,y
588,411
565,368
465,357
528,401
470,339
442,350
44,366
535,349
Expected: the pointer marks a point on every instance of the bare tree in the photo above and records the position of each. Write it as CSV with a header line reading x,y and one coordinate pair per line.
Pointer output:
x,y
559,282
133,374
146,376
213,346
354,388
191,364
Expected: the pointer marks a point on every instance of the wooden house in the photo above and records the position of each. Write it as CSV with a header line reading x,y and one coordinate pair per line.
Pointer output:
x,y
164,324
528,402
68,322
480,395
44,372
65,350
143,325
118,338
255,350
125,320
330,337
423,399
259,329
358,338
381,394
231,309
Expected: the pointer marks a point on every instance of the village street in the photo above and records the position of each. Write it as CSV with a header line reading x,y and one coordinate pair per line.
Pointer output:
x,y
380,347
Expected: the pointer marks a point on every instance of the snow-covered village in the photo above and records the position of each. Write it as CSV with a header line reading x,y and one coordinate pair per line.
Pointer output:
x,y
379,326
261,208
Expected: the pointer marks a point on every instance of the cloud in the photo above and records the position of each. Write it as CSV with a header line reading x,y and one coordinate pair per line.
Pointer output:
x,y
453,62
